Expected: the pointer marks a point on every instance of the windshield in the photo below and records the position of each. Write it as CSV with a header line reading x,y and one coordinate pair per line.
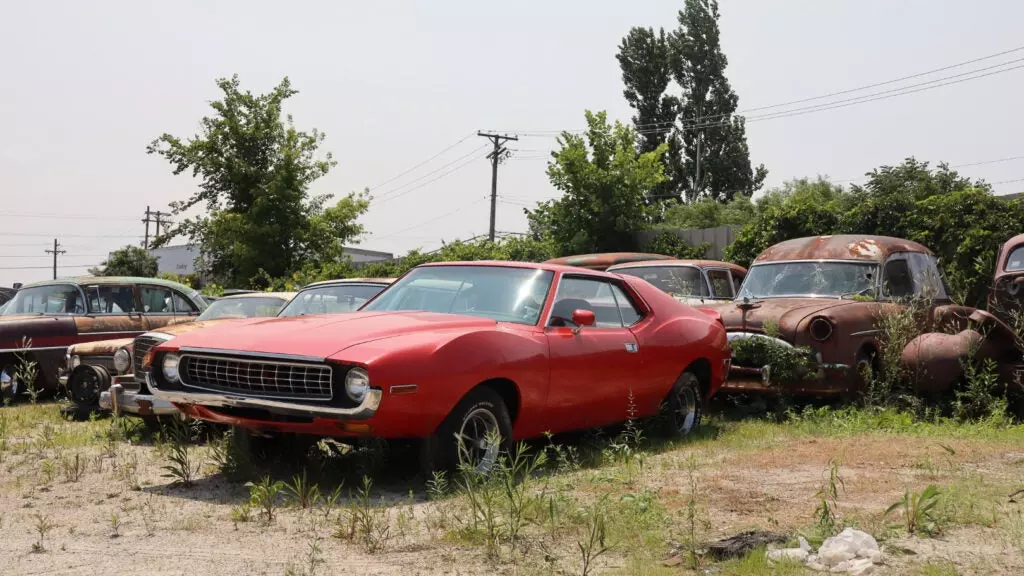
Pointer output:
x,y
834,279
505,294
330,299
685,281
1015,262
54,299
243,308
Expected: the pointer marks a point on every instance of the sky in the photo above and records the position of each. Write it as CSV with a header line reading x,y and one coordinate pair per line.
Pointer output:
x,y
87,85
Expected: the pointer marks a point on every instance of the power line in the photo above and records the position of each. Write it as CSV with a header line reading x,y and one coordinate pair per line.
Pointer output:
x,y
64,217
37,256
496,155
384,195
56,252
393,178
68,235
432,180
48,267
434,219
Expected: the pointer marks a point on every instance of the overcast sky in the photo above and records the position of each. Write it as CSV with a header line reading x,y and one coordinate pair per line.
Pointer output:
x,y
86,85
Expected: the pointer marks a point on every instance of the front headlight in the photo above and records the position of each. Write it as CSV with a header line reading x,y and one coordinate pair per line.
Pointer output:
x,y
76,361
122,361
357,384
170,368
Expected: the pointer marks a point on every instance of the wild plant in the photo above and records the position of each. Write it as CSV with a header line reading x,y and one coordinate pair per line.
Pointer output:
x,y
364,522
43,525
918,511
593,543
27,370
182,464
695,522
826,513
115,526
514,473
73,467
304,494
264,495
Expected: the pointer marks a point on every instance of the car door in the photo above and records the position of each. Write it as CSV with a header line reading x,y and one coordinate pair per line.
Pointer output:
x,y
591,367
157,305
112,313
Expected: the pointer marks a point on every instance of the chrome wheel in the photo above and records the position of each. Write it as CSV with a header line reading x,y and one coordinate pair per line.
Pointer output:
x,y
8,382
479,440
685,404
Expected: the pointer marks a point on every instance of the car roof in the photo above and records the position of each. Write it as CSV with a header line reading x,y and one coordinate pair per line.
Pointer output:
x,y
603,260
80,280
384,281
513,264
839,247
681,262
242,296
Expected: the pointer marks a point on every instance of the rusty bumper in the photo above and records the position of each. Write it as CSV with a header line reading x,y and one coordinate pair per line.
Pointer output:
x,y
120,402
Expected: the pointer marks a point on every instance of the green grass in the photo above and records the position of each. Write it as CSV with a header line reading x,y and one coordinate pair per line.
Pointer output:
x,y
756,564
934,569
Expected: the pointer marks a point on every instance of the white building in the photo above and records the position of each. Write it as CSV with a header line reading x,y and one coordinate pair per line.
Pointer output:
x,y
181,259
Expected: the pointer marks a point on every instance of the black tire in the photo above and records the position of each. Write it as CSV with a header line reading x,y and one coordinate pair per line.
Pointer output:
x,y
685,405
10,389
866,360
85,384
481,406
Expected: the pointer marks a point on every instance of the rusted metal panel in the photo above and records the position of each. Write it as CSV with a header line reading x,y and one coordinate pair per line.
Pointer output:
x,y
1006,294
603,261
840,247
734,268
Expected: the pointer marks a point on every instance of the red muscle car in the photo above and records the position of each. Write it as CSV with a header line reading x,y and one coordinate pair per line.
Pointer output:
x,y
457,350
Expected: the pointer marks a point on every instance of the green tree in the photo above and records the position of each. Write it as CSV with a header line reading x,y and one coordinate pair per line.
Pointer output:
x,y
669,244
702,121
708,213
603,183
128,261
254,170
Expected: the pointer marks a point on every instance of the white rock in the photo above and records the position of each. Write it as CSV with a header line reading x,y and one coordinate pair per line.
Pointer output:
x,y
840,567
861,566
849,544
793,554
804,545
874,555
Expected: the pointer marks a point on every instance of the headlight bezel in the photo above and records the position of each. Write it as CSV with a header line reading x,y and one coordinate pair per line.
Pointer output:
x,y
169,364
820,328
357,384
122,360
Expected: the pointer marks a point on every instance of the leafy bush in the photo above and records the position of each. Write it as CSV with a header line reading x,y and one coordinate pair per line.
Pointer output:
x,y
670,244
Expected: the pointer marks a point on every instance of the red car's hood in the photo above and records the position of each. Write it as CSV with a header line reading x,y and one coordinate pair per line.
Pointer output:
x,y
787,312
322,336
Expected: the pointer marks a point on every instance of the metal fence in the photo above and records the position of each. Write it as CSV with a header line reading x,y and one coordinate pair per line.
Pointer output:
x,y
719,237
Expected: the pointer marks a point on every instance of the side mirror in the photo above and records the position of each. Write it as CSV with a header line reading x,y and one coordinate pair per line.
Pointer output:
x,y
582,318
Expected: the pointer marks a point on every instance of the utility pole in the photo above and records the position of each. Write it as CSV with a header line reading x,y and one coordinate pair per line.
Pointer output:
x,y
495,156
152,216
56,250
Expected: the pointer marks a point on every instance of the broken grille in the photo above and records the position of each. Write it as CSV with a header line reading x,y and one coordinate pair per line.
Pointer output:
x,y
142,345
263,378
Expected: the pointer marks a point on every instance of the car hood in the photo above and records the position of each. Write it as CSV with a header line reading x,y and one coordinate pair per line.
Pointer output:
x,y
186,327
322,336
786,312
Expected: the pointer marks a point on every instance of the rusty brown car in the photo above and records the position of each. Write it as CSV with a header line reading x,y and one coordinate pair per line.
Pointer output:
x,y
604,260
812,304
1006,297
44,318
692,282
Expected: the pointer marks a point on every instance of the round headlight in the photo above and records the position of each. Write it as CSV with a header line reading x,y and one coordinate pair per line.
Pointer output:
x,y
76,361
122,361
357,384
820,329
170,368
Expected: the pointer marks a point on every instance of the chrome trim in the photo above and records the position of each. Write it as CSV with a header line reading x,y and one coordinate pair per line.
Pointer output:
x,y
366,409
747,335
128,403
32,349
866,333
183,372
109,333
244,354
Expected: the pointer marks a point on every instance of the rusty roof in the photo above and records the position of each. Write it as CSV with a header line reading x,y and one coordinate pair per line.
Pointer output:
x,y
699,263
839,247
602,261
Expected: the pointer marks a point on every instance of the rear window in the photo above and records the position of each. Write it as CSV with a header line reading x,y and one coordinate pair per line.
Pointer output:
x,y
676,280
1015,262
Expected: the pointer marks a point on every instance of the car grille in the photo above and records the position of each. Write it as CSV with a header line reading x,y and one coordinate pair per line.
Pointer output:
x,y
263,378
142,345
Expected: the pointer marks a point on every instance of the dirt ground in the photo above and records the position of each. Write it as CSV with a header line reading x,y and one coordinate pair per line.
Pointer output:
x,y
116,511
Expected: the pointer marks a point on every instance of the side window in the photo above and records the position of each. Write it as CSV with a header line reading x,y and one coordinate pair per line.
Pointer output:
x,y
898,282
737,281
156,300
721,283
627,310
928,278
585,294
105,299
183,305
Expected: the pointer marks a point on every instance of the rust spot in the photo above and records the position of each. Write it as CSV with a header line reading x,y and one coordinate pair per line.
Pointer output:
x,y
840,247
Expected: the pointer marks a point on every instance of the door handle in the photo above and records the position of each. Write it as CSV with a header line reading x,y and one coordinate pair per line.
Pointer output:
x,y
632,347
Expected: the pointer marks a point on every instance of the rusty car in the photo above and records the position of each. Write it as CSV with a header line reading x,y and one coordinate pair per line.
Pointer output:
x,y
602,261
44,318
1006,295
692,282
91,368
812,305
465,356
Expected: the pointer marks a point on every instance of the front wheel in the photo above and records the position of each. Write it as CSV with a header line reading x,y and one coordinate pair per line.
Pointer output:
x,y
9,385
474,434
685,405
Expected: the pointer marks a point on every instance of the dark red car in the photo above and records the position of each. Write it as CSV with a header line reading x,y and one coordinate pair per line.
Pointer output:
x,y
457,350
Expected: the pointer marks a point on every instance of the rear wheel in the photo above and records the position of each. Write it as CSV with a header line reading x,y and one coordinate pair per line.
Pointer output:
x,y
84,386
475,433
9,386
685,404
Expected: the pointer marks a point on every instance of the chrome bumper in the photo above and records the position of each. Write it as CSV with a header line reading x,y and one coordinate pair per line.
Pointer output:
x,y
366,409
120,402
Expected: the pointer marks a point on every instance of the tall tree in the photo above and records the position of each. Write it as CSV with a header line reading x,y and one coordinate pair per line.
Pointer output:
x,y
254,170
708,154
128,261
603,183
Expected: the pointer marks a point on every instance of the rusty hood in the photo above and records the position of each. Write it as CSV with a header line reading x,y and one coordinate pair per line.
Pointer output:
x,y
186,327
786,312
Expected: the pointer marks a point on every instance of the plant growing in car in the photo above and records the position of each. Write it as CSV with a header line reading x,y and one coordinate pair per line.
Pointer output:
x,y
264,495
